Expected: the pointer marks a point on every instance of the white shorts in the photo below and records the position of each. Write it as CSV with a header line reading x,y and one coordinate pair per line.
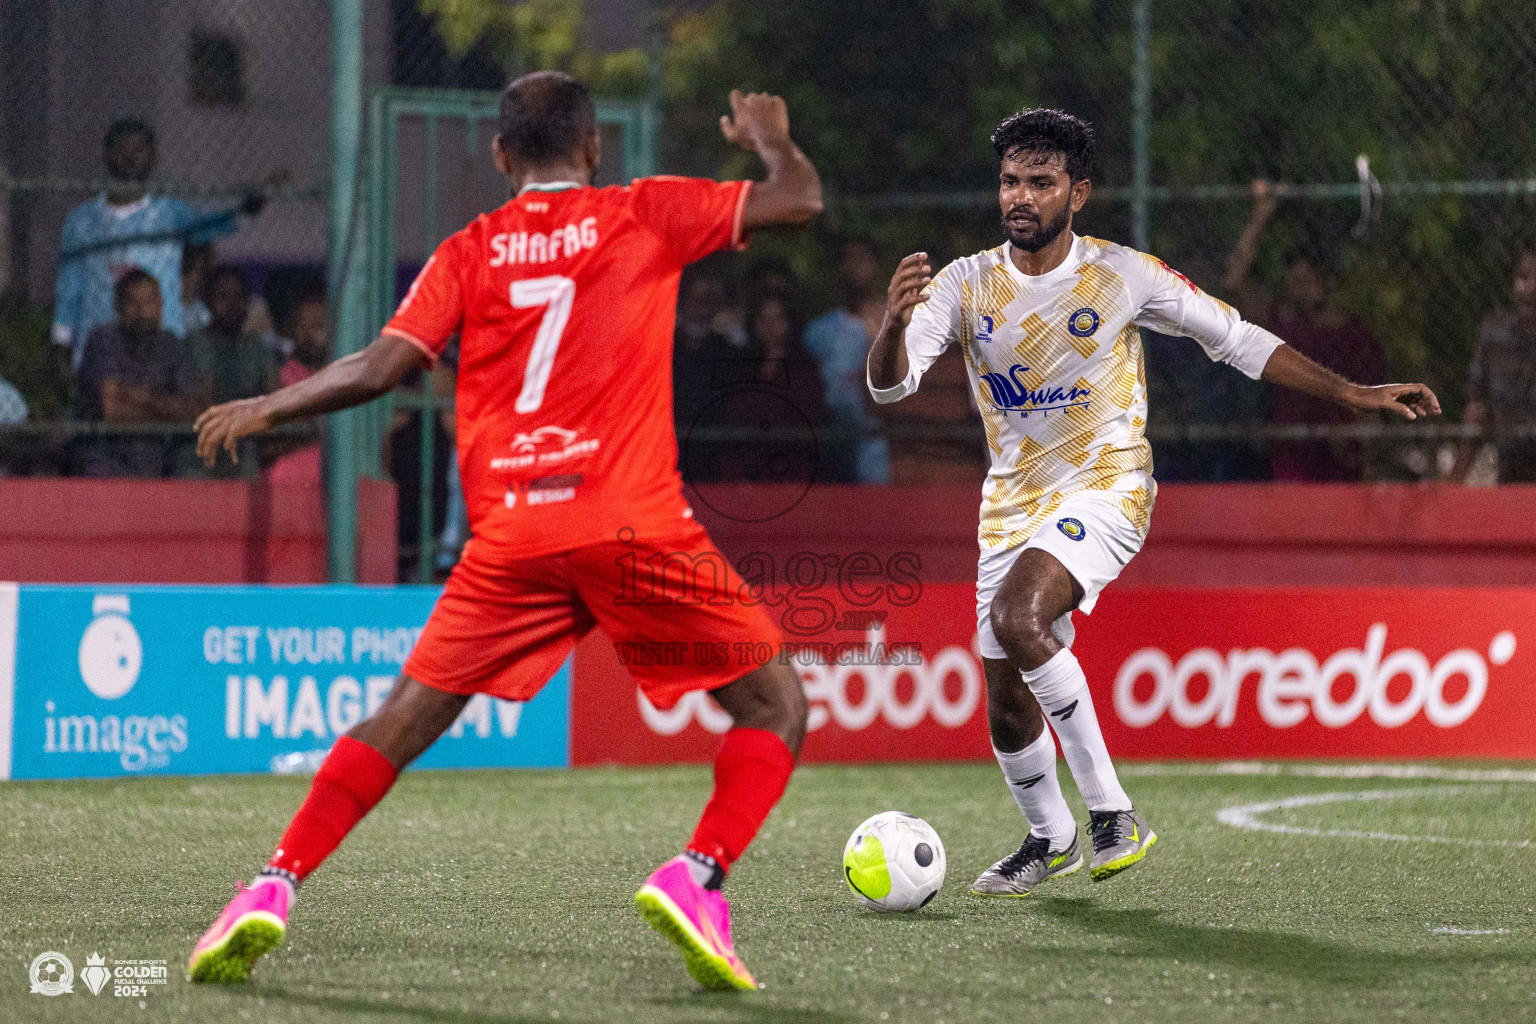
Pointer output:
x,y
1089,534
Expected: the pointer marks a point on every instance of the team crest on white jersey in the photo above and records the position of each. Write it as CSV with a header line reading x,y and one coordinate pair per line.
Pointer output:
x,y
1083,323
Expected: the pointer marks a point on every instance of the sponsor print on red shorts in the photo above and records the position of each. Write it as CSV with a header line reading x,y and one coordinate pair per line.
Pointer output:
x,y
1200,673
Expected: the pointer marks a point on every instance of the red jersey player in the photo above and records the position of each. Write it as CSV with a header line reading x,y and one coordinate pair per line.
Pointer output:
x,y
564,301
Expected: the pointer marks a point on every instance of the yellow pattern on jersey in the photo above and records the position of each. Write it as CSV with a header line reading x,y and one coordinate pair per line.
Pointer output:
x,y
1068,452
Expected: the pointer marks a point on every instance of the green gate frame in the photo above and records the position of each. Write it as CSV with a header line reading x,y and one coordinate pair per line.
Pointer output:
x,y
638,122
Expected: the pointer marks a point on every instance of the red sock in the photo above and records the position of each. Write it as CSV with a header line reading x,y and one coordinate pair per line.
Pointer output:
x,y
353,778
751,771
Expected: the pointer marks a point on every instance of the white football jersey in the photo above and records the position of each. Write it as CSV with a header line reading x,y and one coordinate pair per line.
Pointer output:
x,y
1056,365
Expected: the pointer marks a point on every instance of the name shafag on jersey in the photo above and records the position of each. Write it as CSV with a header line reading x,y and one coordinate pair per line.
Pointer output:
x,y
564,301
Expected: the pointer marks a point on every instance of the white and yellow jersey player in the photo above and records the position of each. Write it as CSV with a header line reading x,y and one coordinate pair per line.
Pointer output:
x,y
1049,326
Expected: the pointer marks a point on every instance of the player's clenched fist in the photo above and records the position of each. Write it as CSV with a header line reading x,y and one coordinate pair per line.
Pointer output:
x,y
912,275
757,121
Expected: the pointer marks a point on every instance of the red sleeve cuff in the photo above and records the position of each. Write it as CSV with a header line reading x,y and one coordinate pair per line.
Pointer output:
x,y
739,235
426,349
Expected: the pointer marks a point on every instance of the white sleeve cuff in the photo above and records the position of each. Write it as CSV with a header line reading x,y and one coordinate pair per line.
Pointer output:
x,y
1254,345
885,396
62,335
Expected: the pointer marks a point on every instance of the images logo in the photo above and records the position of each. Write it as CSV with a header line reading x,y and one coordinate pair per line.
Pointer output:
x,y
110,652
52,974
984,327
1072,528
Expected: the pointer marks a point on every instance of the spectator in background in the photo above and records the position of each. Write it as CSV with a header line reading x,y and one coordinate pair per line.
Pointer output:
x,y
307,335
127,227
775,342
1501,385
303,324
1307,317
778,390
701,353
233,362
771,275
840,340
134,371
196,261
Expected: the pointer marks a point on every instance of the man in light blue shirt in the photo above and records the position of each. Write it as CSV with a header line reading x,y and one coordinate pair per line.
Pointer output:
x,y
121,228
839,339
13,407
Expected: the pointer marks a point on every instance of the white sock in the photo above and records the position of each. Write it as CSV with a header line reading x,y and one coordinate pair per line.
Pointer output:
x,y
1031,775
1062,690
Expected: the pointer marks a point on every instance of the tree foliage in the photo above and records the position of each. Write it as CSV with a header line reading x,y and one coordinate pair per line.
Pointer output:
x,y
900,97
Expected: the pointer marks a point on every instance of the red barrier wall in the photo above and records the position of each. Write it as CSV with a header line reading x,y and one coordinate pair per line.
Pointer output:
x,y
182,531
1216,535
1174,673
1203,536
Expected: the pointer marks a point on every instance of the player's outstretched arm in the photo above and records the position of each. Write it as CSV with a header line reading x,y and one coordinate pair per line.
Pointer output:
x,y
351,380
1289,367
888,364
791,195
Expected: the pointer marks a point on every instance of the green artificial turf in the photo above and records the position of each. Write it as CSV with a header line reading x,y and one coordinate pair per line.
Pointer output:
x,y
507,896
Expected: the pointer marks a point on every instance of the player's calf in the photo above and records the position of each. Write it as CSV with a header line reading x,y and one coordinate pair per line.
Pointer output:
x,y
682,898
354,777
770,698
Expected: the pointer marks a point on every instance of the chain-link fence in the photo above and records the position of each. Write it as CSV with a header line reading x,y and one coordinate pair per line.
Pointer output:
x,y
235,99
1391,269
1255,122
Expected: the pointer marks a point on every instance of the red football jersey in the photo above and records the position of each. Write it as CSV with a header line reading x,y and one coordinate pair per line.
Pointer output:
x,y
564,302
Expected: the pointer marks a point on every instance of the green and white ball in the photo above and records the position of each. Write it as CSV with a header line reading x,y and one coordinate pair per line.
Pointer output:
x,y
894,862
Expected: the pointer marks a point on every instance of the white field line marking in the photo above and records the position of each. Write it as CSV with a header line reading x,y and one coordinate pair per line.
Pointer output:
x,y
1447,930
1340,771
1247,816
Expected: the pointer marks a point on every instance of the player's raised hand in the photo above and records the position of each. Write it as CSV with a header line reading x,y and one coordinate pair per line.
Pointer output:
x,y
757,121
905,294
1410,401
222,427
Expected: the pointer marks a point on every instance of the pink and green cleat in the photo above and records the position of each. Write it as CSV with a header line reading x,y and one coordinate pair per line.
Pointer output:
x,y
254,922
698,921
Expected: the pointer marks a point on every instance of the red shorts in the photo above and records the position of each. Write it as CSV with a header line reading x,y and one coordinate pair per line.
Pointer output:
x,y
671,606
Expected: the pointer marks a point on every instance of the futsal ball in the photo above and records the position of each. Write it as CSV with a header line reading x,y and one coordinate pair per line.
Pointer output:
x,y
894,861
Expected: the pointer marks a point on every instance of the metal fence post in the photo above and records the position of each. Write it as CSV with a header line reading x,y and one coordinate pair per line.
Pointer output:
x,y
1141,118
342,275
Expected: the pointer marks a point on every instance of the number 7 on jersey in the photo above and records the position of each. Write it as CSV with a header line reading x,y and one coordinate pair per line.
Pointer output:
x,y
556,294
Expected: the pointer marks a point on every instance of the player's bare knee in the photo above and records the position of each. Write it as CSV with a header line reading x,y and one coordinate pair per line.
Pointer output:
x,y
1022,625
769,698
786,707
409,721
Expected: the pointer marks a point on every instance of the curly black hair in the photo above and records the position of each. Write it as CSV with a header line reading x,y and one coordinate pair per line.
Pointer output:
x,y
1042,133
